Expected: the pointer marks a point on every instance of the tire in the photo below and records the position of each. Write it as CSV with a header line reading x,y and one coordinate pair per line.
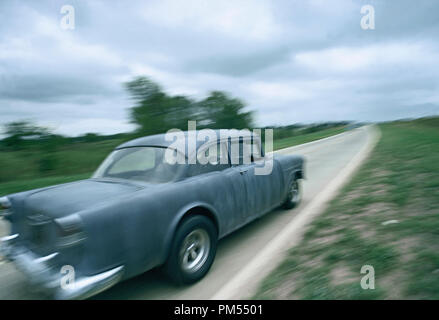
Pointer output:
x,y
294,195
192,251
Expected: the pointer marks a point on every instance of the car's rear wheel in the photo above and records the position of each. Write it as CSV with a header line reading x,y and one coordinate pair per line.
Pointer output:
x,y
294,195
193,250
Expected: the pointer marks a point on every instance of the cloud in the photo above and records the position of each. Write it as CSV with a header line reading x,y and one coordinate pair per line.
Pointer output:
x,y
290,60
365,58
237,19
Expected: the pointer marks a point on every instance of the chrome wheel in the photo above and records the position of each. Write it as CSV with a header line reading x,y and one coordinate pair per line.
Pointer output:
x,y
293,196
294,193
194,250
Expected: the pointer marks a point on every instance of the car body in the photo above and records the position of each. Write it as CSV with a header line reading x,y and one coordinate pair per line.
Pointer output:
x,y
138,212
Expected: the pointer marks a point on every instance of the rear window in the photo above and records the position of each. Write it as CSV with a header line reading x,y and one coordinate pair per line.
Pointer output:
x,y
141,164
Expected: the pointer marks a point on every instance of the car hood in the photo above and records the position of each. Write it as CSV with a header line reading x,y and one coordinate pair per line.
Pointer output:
x,y
65,199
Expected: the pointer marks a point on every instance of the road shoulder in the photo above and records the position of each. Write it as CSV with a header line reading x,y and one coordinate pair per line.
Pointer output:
x,y
245,283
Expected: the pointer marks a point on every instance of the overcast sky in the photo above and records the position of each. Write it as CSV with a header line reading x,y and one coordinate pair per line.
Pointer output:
x,y
290,61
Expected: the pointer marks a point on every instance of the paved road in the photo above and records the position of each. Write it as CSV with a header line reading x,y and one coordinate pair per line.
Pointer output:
x,y
324,160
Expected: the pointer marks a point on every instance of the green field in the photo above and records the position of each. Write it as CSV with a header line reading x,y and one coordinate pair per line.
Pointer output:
x,y
399,184
308,137
23,185
21,169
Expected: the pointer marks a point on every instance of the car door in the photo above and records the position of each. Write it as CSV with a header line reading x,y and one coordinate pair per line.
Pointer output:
x,y
261,191
245,175
231,189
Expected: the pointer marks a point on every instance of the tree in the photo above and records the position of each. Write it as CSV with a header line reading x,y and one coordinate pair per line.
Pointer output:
x,y
151,105
24,129
222,112
22,134
91,137
179,110
157,112
19,132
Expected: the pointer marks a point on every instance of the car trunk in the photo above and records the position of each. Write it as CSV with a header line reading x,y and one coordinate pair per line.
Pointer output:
x,y
36,223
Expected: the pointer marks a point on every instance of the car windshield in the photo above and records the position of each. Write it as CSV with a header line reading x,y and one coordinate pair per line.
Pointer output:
x,y
145,164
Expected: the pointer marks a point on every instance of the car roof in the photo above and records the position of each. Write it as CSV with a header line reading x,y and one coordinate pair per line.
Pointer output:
x,y
159,140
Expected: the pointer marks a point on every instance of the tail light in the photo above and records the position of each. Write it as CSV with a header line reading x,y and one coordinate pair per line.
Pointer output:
x,y
69,231
5,207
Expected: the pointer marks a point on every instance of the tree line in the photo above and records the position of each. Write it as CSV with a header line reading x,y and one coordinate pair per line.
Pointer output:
x,y
154,111
157,112
41,152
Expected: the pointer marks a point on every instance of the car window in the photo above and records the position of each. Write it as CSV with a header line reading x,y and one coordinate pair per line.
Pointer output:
x,y
256,152
216,158
217,161
242,153
146,164
141,159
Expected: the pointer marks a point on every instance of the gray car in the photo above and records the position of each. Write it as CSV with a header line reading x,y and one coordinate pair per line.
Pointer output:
x,y
140,211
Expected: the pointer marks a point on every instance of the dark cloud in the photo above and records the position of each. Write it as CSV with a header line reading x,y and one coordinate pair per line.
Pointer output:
x,y
53,88
241,65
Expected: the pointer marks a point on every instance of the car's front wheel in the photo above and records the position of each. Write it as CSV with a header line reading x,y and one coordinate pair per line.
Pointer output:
x,y
193,250
294,195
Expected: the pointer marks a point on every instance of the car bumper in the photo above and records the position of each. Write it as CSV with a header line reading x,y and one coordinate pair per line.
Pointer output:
x,y
44,273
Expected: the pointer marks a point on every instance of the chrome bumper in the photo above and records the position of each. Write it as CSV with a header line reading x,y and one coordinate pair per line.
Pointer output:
x,y
44,274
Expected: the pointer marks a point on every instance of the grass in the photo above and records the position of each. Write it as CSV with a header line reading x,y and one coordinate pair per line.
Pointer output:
x,y
24,185
69,159
308,137
400,181
21,172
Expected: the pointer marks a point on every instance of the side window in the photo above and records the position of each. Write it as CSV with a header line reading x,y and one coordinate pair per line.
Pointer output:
x,y
138,160
216,162
242,153
236,152
256,152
